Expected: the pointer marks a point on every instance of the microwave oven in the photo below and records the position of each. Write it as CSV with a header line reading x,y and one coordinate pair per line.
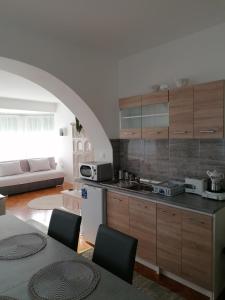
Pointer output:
x,y
96,171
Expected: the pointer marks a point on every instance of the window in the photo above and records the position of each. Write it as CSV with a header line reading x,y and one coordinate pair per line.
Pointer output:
x,y
26,135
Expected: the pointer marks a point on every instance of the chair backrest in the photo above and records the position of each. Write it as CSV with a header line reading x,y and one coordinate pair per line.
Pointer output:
x,y
65,227
115,251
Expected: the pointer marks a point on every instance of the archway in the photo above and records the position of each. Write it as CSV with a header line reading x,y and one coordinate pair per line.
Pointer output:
x,y
95,131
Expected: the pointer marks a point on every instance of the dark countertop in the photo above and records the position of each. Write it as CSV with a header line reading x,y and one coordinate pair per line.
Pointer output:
x,y
185,200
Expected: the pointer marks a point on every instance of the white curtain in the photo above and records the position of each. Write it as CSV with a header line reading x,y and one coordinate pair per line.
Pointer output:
x,y
24,136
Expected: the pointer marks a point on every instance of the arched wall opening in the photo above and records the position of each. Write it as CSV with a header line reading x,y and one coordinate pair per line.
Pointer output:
x,y
93,128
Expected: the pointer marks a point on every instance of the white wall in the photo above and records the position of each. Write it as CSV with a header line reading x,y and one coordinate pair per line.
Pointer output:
x,y
20,104
64,146
200,56
92,75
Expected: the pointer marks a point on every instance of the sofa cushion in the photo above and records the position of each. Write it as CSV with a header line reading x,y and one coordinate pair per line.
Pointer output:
x,y
52,162
39,164
10,168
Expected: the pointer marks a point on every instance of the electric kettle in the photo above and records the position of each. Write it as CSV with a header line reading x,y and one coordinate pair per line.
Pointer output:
x,y
215,181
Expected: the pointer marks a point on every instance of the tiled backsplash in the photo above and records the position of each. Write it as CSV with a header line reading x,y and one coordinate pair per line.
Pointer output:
x,y
169,159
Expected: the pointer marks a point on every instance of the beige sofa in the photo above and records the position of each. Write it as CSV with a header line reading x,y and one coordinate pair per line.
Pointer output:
x,y
30,179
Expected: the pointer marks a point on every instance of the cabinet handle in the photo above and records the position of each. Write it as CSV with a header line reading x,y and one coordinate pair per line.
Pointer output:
x,y
181,132
158,132
208,131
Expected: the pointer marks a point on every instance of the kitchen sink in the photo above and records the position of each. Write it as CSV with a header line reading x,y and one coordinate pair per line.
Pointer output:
x,y
142,188
131,185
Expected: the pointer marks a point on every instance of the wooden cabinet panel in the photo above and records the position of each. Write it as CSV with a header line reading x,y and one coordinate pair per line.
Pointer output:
x,y
155,115
181,113
130,102
155,133
118,212
154,98
169,238
130,117
130,133
209,110
143,227
197,249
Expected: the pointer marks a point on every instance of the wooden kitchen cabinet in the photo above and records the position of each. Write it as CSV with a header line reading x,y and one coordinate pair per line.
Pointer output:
x,y
143,227
181,113
130,117
155,115
209,110
118,212
169,238
197,249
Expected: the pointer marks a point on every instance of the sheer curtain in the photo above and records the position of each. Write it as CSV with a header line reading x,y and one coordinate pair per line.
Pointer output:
x,y
24,136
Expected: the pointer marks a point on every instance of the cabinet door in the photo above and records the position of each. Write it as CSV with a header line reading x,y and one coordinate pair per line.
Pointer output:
x,y
118,212
130,117
155,115
143,227
197,249
209,110
181,113
169,238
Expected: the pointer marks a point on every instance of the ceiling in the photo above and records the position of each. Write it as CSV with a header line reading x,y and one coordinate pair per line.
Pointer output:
x,y
16,87
119,27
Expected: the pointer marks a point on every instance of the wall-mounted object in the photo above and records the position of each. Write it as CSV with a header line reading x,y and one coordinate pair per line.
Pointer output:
x,y
63,131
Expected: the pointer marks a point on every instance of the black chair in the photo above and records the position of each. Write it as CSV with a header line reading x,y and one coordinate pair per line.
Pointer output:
x,y
65,228
115,251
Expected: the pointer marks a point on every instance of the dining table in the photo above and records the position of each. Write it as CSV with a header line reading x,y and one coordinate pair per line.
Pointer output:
x,y
16,274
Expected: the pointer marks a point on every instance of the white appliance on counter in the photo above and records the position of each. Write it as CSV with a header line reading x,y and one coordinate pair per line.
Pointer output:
x,y
95,171
93,211
195,185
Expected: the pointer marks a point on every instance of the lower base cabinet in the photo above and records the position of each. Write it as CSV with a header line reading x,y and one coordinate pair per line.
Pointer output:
x,y
197,249
176,240
143,227
118,212
169,238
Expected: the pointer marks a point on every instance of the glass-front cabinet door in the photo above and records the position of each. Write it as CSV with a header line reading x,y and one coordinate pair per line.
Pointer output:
x,y
155,115
130,117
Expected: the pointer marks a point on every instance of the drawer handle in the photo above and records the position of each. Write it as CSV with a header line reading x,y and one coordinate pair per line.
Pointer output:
x,y
181,132
158,132
208,131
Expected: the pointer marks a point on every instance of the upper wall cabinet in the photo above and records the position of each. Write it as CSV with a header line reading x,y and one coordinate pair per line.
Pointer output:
x,y
209,110
196,111
181,113
155,115
130,117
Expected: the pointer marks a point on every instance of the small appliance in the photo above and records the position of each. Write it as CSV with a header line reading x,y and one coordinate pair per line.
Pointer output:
x,y
215,191
195,185
169,188
215,181
95,171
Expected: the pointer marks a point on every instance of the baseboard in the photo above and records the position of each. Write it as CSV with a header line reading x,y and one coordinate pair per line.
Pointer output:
x,y
175,278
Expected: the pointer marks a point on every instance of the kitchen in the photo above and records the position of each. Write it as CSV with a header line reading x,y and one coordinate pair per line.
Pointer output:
x,y
165,61
179,233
